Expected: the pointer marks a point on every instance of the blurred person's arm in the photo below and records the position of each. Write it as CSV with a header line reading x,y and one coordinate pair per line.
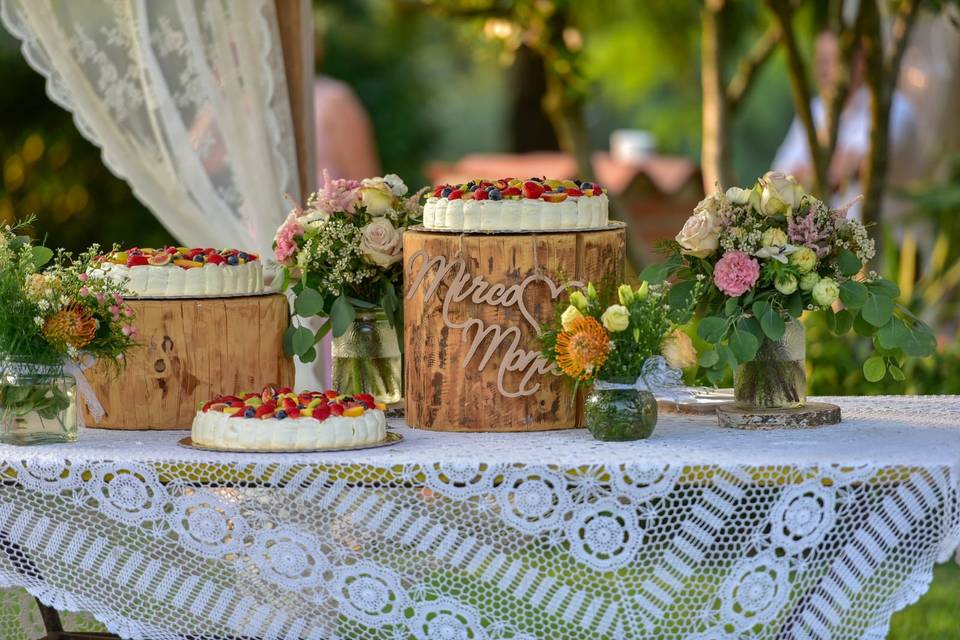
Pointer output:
x,y
345,131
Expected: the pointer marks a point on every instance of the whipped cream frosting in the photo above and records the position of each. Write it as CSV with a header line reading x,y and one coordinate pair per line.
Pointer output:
x,y
171,280
221,431
524,214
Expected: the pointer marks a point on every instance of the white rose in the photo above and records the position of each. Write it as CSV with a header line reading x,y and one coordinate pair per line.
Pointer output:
x,y
375,195
781,194
736,195
616,318
381,242
700,235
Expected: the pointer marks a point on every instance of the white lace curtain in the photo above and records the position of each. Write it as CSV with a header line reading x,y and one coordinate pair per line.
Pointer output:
x,y
187,99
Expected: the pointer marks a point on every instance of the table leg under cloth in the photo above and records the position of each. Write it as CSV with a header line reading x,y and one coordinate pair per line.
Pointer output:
x,y
492,537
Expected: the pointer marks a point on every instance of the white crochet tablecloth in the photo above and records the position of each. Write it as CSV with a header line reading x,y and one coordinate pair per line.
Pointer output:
x,y
699,532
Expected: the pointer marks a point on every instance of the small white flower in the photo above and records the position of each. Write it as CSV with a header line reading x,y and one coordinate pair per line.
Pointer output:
x,y
780,254
38,321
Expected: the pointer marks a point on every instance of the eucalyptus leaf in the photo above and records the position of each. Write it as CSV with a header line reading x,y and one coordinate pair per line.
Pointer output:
x,y
893,334
848,263
323,331
772,324
709,358
302,340
309,303
877,310
863,328
752,326
794,304
884,287
919,342
288,341
680,294
853,294
730,306
896,373
41,256
744,345
342,313
712,329
309,356
874,368
843,322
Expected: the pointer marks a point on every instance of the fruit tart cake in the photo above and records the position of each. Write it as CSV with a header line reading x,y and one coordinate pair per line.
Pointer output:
x,y
516,205
281,420
179,271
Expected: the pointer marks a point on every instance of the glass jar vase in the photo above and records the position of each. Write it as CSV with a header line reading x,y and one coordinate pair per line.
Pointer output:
x,y
38,404
617,411
366,359
777,377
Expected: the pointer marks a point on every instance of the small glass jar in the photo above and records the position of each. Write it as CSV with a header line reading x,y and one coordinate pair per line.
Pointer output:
x,y
618,411
777,377
38,403
366,359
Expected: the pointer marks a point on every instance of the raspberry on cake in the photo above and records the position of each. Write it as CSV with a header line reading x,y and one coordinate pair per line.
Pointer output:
x,y
181,271
510,204
281,420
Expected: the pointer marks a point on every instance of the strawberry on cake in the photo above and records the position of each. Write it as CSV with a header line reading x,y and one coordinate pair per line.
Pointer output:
x,y
516,205
180,271
281,420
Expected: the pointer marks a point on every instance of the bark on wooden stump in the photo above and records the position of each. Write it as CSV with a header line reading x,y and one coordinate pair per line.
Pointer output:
x,y
190,351
501,288
813,414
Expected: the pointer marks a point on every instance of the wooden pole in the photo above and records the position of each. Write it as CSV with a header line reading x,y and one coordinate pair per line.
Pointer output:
x,y
295,22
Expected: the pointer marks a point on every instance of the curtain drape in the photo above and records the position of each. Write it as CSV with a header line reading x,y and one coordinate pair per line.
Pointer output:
x,y
187,99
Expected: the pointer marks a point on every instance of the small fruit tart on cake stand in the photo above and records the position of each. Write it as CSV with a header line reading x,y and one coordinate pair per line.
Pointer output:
x,y
277,420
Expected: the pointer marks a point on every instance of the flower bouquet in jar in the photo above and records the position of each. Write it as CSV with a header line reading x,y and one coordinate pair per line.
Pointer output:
x,y
620,345
762,257
341,254
59,315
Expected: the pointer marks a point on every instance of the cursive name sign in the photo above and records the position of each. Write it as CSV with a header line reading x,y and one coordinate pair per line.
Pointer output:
x,y
491,338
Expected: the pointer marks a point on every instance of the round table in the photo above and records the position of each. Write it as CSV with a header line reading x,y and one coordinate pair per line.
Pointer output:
x,y
699,532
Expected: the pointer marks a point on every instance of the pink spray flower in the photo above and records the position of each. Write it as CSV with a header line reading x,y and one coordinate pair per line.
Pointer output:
x,y
84,291
83,277
100,297
735,273
285,246
114,310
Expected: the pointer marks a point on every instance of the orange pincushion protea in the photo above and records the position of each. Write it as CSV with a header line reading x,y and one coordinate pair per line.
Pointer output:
x,y
72,325
583,349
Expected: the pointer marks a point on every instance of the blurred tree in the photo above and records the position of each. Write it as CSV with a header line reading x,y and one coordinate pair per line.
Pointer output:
x,y
49,169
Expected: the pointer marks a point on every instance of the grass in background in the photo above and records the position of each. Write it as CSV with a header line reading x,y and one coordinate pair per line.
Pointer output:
x,y
935,616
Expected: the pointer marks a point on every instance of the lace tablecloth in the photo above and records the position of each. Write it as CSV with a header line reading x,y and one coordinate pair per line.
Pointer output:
x,y
698,532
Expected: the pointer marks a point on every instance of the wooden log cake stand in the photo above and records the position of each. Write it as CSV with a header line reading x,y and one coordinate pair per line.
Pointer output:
x,y
190,351
473,303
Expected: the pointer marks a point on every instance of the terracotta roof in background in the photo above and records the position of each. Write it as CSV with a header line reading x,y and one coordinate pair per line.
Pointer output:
x,y
668,174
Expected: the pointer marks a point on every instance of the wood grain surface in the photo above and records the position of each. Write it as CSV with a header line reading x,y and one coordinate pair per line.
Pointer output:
x,y
441,393
190,351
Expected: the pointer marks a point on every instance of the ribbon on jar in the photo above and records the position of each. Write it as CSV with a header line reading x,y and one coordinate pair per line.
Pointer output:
x,y
666,383
75,370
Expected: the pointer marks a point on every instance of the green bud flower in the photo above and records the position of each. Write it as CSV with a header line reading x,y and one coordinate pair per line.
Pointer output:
x,y
786,283
825,292
625,294
643,290
579,300
804,259
591,291
809,280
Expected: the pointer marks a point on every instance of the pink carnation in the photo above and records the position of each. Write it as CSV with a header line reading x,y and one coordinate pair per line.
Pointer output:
x,y
284,244
735,273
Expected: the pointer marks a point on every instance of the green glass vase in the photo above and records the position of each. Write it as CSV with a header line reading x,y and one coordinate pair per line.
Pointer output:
x,y
38,403
618,411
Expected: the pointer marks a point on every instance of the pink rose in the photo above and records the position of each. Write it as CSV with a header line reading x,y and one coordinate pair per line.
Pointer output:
x,y
735,273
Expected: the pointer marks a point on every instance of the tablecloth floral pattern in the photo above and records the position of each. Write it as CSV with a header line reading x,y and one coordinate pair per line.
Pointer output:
x,y
697,533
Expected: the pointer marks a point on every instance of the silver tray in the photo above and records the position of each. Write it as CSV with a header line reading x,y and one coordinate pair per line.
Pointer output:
x,y
253,294
391,439
615,224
